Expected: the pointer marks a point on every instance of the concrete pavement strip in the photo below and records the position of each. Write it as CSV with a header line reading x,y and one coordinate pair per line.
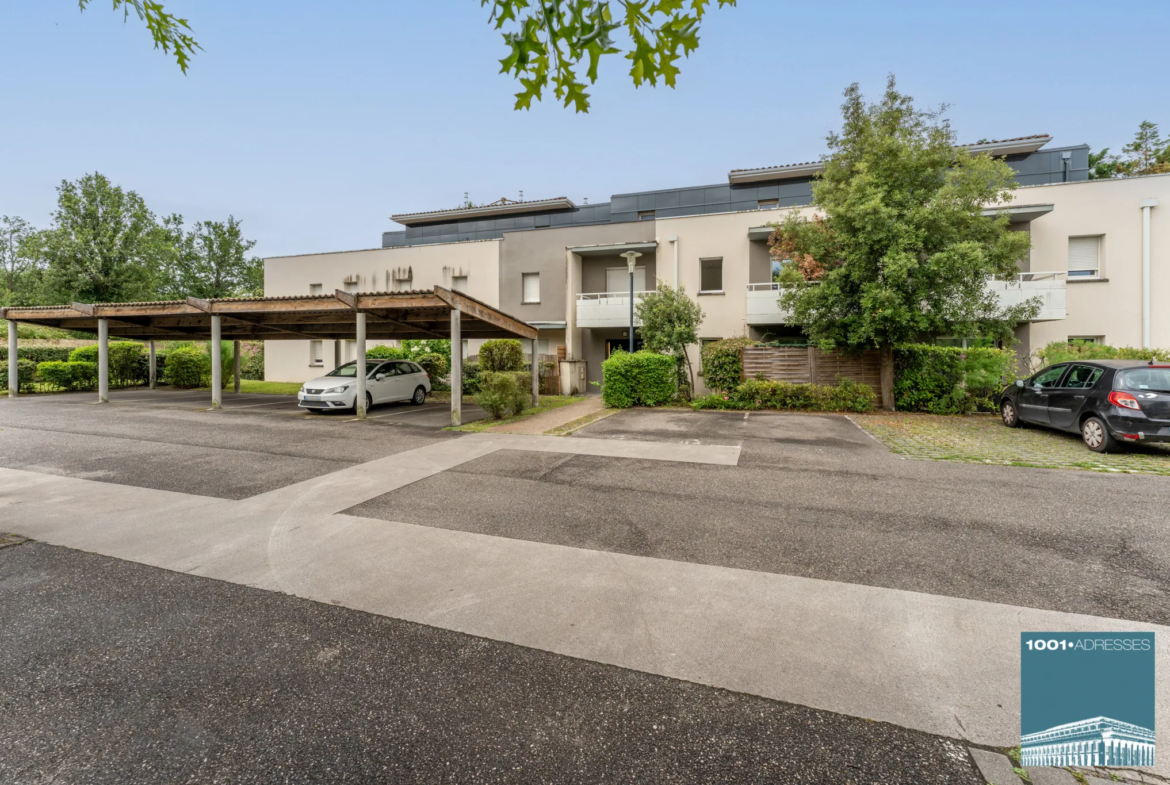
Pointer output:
x,y
940,664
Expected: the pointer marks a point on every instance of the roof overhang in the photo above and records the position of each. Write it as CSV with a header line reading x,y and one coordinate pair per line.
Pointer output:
x,y
1020,214
484,211
390,315
614,249
760,233
791,171
1027,144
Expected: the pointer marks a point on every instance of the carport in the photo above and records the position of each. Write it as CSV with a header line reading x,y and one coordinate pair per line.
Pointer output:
x,y
420,314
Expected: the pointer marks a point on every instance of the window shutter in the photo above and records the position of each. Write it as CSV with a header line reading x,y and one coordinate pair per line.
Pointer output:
x,y
532,287
1084,254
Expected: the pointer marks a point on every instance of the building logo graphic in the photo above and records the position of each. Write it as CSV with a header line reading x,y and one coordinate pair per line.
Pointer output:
x,y
1087,699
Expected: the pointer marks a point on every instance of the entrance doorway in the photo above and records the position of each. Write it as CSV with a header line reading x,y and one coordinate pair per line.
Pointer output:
x,y
613,344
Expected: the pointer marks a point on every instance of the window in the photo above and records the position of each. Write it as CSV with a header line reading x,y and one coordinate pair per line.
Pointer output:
x,y
531,283
316,353
1156,378
768,204
350,286
711,275
314,288
542,345
1048,378
1084,257
459,283
617,279
1083,377
403,284
645,215
1086,339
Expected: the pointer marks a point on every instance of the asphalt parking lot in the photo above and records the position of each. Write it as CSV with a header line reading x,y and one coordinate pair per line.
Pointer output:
x,y
119,673
816,496
169,440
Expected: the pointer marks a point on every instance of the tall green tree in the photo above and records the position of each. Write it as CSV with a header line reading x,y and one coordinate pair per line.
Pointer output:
x,y
211,260
899,249
670,323
104,245
1147,153
550,42
19,268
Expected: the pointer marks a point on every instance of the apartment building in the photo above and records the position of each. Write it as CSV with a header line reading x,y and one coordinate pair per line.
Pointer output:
x,y
1100,251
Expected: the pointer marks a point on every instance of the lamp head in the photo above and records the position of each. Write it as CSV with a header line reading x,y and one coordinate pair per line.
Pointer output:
x,y
631,256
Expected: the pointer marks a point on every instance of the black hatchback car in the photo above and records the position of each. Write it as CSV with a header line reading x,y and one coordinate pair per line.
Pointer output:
x,y
1109,402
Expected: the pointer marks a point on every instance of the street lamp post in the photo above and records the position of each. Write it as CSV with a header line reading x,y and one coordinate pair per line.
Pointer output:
x,y
631,256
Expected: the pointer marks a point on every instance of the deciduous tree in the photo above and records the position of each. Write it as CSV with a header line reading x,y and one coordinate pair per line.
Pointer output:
x,y
210,260
899,249
18,262
670,323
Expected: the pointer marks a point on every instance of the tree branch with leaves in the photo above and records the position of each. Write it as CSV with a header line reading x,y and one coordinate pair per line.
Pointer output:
x,y
171,34
551,41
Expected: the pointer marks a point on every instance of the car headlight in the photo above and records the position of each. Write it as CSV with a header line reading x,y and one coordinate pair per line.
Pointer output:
x,y
339,388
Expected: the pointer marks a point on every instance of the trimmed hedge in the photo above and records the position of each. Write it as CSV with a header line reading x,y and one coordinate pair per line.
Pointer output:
x,y
846,396
639,379
125,357
503,393
436,365
39,354
26,374
470,378
502,354
385,353
948,380
187,367
1061,351
723,363
69,375
252,363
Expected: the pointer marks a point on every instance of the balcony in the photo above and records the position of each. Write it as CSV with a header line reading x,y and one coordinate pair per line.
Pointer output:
x,y
763,304
606,309
1049,286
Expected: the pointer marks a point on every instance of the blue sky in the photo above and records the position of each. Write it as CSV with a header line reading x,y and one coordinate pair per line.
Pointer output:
x,y
314,122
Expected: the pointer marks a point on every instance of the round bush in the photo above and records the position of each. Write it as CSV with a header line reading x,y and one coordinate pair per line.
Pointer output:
x,y
723,363
503,393
187,367
385,353
503,354
436,365
638,379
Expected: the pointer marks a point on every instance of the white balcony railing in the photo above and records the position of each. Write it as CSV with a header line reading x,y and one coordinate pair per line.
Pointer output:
x,y
606,309
763,306
1048,286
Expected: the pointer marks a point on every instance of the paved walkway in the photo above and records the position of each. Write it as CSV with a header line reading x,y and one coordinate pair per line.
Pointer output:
x,y
553,418
941,664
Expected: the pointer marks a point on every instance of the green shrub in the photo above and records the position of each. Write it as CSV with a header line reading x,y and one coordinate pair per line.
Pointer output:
x,y
252,363
723,363
503,354
949,380
26,374
69,375
846,396
470,378
436,365
503,393
38,354
1062,351
385,353
187,367
125,361
638,379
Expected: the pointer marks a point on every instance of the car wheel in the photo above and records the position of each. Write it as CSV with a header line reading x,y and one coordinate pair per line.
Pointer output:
x,y
1096,435
420,396
369,403
1007,410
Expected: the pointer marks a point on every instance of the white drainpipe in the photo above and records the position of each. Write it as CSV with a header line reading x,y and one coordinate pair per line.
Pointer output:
x,y
674,239
1147,205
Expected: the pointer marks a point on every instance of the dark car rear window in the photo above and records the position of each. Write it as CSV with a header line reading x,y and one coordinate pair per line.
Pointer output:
x,y
1144,379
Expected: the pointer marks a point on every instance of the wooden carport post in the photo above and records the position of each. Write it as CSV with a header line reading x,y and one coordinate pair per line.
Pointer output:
x,y
456,369
13,362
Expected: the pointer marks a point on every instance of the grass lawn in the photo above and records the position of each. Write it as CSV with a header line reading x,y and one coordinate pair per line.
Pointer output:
x,y
984,439
254,386
547,402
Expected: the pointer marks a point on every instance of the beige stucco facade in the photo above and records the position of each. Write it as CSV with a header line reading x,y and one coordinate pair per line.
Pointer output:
x,y
1107,307
374,270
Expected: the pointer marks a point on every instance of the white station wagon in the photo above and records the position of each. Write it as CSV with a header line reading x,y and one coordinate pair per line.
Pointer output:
x,y
386,381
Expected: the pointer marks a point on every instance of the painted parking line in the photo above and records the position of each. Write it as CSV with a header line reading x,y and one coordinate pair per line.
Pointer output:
x,y
418,410
254,405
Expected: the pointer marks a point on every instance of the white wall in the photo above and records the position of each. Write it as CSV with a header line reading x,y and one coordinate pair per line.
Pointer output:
x,y
371,271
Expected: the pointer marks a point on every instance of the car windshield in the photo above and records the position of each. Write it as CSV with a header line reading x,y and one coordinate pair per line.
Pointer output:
x,y
349,370
1157,379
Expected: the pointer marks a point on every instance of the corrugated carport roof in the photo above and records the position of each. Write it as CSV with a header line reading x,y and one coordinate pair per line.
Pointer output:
x,y
415,314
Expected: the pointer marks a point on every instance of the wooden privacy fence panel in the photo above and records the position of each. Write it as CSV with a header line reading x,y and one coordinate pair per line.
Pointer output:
x,y
808,364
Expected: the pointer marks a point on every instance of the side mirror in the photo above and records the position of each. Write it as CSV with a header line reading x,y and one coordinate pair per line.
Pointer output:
x,y
379,377
1019,382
